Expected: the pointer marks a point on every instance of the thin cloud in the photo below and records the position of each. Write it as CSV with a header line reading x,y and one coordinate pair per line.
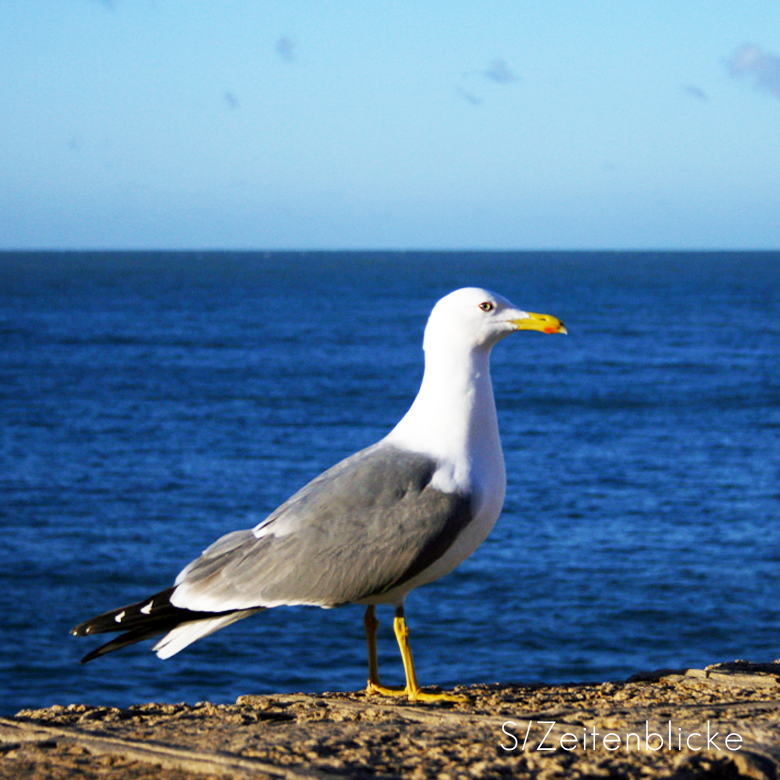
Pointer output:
x,y
500,73
285,48
765,66
695,92
470,96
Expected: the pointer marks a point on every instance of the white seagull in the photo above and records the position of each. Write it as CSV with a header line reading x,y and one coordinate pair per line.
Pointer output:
x,y
399,514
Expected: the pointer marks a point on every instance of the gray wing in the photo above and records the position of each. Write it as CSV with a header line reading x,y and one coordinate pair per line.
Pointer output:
x,y
368,524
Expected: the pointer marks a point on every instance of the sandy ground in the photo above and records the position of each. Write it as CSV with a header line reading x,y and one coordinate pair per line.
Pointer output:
x,y
721,722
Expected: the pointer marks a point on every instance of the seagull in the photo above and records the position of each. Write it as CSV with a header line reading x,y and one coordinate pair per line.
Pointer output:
x,y
390,518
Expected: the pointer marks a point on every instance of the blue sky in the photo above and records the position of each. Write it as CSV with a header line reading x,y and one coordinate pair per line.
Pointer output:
x,y
370,124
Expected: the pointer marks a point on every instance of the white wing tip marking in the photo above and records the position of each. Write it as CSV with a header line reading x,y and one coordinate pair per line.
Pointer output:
x,y
119,617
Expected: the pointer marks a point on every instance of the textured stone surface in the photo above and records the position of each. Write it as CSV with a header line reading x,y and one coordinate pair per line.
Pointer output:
x,y
350,735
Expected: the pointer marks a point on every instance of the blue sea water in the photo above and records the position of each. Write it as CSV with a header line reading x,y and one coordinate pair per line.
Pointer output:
x,y
151,402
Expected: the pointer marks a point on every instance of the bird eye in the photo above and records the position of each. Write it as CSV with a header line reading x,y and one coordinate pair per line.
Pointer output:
x,y
487,306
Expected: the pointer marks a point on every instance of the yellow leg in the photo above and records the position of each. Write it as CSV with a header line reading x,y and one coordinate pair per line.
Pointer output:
x,y
412,689
374,685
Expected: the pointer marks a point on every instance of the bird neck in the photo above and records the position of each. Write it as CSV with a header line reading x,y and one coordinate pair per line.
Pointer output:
x,y
454,414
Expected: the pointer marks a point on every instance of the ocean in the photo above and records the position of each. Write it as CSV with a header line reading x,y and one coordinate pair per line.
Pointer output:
x,y
151,402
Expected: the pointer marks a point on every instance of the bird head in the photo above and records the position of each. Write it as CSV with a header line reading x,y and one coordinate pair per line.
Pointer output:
x,y
479,318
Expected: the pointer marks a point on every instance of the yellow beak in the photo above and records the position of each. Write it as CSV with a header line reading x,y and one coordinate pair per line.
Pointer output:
x,y
542,322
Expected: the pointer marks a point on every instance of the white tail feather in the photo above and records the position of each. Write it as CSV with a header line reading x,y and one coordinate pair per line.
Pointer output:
x,y
187,633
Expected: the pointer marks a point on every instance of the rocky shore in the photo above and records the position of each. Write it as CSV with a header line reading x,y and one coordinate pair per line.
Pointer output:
x,y
718,722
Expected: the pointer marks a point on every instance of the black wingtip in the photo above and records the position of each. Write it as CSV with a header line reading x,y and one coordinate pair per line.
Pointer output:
x,y
83,629
89,656
143,620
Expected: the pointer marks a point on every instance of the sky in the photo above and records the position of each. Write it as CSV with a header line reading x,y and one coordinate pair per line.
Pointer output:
x,y
383,124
